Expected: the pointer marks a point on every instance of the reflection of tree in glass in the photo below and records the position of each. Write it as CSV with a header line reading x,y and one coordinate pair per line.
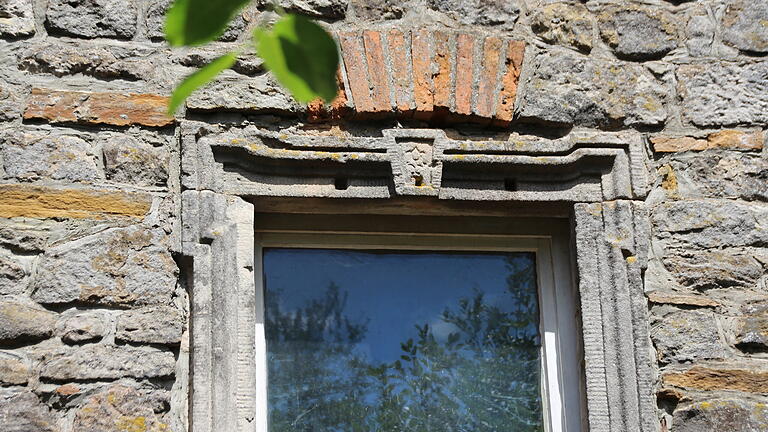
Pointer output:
x,y
484,376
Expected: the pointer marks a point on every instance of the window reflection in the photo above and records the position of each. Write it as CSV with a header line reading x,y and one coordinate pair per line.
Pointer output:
x,y
401,341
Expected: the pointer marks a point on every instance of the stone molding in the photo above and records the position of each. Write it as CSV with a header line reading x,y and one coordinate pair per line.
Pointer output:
x,y
602,174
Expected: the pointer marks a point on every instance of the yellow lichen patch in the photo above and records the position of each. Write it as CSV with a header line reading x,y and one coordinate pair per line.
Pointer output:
x,y
131,424
45,202
668,178
631,259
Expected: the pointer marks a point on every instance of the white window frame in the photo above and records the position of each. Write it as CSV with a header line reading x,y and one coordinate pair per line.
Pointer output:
x,y
562,384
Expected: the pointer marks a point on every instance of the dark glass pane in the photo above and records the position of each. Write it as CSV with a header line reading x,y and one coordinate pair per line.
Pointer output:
x,y
387,341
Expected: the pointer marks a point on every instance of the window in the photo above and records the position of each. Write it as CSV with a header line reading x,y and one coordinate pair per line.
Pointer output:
x,y
403,327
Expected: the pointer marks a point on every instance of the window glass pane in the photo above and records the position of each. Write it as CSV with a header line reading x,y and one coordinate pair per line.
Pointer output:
x,y
402,341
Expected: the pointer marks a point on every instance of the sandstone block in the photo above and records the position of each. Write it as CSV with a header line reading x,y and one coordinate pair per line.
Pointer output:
x,y
638,33
721,175
108,362
114,109
120,408
721,415
725,139
17,200
747,380
13,369
156,325
722,94
481,12
22,411
22,321
16,19
687,336
81,327
745,25
127,160
720,268
121,266
11,274
569,89
564,24
34,156
92,18
661,297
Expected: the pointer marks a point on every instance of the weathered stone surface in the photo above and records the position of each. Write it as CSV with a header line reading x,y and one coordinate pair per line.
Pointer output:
x,y
638,33
712,223
721,268
700,31
61,59
564,24
81,327
335,9
18,200
481,12
260,94
687,336
156,22
122,266
752,334
108,362
22,411
672,298
11,103
247,63
34,156
92,18
747,379
21,239
121,408
569,89
376,10
98,108
11,274
157,325
13,369
721,175
745,25
721,94
128,160
22,321
726,139
16,19
721,415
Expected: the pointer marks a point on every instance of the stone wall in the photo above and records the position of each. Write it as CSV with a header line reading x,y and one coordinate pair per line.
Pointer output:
x,y
93,304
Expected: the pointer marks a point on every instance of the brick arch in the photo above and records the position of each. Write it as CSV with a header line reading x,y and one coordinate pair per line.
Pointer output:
x,y
429,75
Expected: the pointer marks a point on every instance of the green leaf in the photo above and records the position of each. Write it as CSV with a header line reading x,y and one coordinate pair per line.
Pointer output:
x,y
195,22
302,57
200,78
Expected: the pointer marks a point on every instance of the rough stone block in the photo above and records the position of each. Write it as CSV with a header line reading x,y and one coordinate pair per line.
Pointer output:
x,y
720,268
92,18
259,94
22,411
92,362
638,33
333,9
13,369
569,89
746,379
726,139
732,414
687,336
121,266
481,12
81,327
11,274
745,25
720,175
11,102
128,160
722,94
564,24
16,19
98,108
18,200
34,156
712,223
377,10
674,298
156,22
120,408
700,31
22,321
113,62
155,325
752,334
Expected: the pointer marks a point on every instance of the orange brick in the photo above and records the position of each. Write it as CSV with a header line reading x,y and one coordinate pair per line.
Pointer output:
x,y
117,109
423,90
401,70
354,64
465,46
442,80
486,100
377,71
318,112
513,64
